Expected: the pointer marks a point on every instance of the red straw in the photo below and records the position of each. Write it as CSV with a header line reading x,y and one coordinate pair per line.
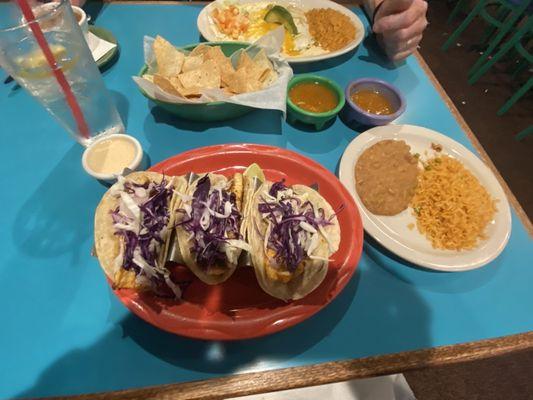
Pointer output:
x,y
58,73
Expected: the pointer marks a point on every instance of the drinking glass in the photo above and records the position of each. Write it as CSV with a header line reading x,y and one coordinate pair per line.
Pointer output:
x,y
80,101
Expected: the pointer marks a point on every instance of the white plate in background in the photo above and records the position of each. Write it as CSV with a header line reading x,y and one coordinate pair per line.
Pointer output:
x,y
205,25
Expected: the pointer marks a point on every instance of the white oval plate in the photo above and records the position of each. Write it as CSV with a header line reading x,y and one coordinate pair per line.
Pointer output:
x,y
392,231
205,26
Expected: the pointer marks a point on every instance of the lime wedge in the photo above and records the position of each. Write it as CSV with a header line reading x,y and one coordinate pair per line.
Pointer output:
x,y
280,15
254,170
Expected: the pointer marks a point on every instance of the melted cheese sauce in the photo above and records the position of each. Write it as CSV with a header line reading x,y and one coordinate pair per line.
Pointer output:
x,y
110,156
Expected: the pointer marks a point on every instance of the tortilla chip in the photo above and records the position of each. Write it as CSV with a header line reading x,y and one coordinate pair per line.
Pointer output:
x,y
240,82
167,84
262,60
192,63
244,61
191,92
224,63
256,72
169,59
214,53
206,77
268,76
199,50
173,86
250,75
148,77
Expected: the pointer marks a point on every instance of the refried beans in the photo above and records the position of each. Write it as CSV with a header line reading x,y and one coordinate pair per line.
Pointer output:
x,y
386,175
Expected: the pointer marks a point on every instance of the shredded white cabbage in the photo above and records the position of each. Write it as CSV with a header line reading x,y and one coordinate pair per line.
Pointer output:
x,y
175,288
240,244
227,210
141,263
125,227
129,207
325,235
307,227
141,192
183,196
312,245
188,209
118,187
205,219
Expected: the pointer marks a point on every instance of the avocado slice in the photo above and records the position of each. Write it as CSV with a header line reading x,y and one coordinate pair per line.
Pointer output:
x,y
280,15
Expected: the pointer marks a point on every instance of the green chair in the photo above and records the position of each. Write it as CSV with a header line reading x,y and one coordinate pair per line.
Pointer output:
x,y
526,132
461,4
518,42
509,12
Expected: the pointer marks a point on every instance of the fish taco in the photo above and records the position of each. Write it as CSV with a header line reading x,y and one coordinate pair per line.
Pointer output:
x,y
293,232
209,226
132,227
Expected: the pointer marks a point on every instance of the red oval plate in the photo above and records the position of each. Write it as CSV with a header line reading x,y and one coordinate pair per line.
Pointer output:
x,y
238,308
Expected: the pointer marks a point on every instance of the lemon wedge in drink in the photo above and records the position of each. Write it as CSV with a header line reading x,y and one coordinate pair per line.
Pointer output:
x,y
35,65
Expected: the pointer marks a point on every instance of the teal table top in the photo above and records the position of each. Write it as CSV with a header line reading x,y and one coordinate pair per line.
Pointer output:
x,y
64,332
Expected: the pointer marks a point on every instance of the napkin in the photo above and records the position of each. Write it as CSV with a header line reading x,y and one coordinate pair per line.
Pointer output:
x,y
390,387
98,46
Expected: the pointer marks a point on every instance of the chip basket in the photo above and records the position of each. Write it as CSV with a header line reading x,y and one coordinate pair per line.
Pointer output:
x,y
206,112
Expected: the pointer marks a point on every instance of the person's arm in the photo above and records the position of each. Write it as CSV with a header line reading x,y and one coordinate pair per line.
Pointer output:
x,y
399,25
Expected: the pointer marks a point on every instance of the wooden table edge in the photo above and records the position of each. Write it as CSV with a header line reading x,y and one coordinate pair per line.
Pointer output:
x,y
338,371
320,374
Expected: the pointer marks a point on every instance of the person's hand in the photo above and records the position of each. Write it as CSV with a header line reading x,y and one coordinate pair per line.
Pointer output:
x,y
78,3
399,25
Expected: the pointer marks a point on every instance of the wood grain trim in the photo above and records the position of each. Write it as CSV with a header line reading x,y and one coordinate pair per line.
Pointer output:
x,y
472,137
319,374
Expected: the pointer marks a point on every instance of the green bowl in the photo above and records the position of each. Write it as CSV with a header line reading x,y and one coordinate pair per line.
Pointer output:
x,y
207,112
318,120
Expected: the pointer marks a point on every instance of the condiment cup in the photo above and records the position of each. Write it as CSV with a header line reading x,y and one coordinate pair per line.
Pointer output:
x,y
83,19
113,176
319,120
356,113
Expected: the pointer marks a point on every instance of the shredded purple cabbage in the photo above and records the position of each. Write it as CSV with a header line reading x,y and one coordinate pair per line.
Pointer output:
x,y
276,187
285,217
155,216
207,243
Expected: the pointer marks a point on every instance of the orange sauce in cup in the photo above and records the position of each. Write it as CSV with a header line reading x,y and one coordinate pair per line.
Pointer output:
x,y
313,97
372,102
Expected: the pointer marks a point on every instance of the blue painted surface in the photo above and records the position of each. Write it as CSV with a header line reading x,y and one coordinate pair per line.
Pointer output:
x,y
63,331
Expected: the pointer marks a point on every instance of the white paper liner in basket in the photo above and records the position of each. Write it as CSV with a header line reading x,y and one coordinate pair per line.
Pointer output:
x,y
272,97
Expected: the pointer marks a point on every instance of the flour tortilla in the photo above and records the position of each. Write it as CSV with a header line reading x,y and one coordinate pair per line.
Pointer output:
x,y
109,247
185,242
314,271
